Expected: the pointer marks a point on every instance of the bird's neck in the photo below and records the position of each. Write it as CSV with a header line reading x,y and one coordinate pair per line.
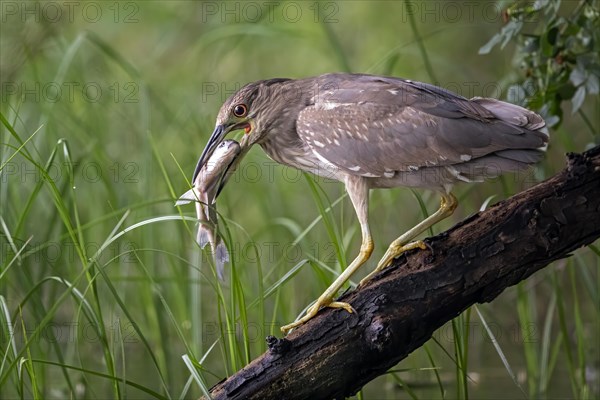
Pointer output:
x,y
283,147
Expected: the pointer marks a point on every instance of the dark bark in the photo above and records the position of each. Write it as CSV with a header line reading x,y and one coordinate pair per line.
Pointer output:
x,y
336,353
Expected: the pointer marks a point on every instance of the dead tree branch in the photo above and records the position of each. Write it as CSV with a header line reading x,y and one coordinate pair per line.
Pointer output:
x,y
336,353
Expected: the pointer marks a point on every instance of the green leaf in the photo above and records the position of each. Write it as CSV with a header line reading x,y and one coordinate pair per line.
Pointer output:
x,y
531,43
578,75
578,99
549,42
552,120
516,94
486,48
591,84
548,112
510,30
566,91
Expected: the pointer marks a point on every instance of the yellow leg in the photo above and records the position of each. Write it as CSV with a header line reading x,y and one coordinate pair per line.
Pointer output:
x,y
403,243
358,191
326,299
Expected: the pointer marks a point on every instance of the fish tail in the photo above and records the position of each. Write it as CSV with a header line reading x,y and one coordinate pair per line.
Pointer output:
x,y
221,255
203,236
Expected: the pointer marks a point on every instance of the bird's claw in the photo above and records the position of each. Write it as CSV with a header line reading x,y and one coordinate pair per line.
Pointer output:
x,y
314,309
393,252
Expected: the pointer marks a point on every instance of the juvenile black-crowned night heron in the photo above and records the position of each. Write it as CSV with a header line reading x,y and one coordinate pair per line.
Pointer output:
x,y
380,132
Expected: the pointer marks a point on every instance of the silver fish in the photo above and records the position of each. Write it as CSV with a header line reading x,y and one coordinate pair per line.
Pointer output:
x,y
208,184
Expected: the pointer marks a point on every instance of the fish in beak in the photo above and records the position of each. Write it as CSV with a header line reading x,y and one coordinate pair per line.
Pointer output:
x,y
213,142
209,179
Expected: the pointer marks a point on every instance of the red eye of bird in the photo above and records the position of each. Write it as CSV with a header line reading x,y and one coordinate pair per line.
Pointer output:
x,y
240,110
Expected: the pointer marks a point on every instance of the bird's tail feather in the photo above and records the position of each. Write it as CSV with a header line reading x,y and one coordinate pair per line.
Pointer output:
x,y
513,114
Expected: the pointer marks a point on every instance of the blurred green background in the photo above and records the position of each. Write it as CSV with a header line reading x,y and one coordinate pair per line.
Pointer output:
x,y
106,107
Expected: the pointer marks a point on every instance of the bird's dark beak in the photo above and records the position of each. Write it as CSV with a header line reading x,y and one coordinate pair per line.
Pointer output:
x,y
214,140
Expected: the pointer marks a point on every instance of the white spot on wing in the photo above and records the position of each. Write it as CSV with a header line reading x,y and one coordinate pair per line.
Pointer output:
x,y
317,143
356,168
326,105
465,157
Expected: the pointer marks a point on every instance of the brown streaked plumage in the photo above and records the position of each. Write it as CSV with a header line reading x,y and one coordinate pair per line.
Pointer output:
x,y
381,132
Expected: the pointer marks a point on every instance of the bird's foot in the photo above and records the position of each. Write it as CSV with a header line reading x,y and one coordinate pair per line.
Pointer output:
x,y
314,309
392,252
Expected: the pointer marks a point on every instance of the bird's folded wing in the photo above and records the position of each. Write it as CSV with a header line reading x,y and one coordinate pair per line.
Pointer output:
x,y
378,127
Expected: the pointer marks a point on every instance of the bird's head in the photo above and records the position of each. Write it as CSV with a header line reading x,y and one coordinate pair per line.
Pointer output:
x,y
251,110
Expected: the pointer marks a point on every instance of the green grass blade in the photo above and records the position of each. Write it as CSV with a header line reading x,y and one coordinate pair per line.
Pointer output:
x,y
127,382
498,349
197,377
